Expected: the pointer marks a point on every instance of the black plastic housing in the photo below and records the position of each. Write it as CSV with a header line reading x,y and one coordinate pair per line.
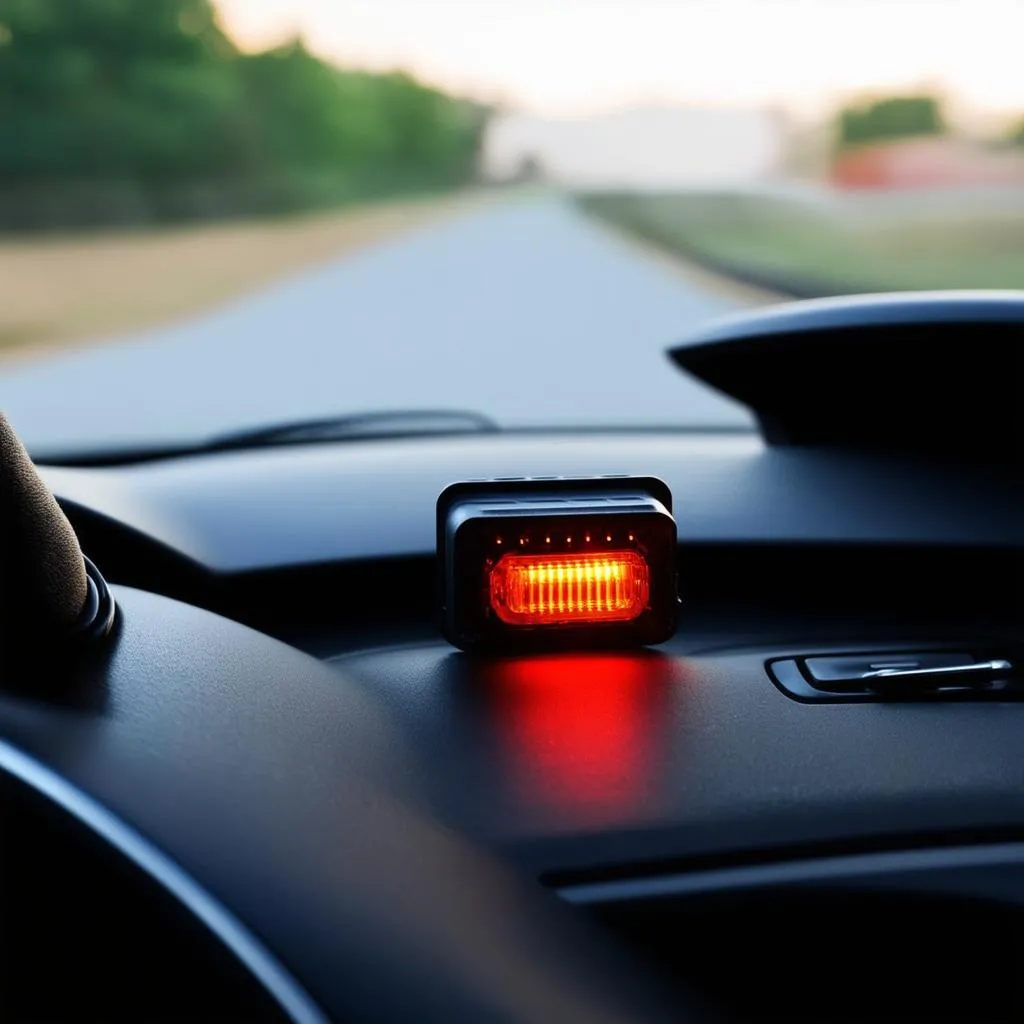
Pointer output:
x,y
932,373
479,522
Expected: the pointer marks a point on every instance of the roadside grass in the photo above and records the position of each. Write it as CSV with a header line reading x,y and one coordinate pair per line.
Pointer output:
x,y
810,248
62,290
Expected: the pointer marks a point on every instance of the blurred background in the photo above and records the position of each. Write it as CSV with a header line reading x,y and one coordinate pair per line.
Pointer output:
x,y
161,158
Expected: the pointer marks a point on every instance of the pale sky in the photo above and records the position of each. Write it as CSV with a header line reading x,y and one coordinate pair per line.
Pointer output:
x,y
582,56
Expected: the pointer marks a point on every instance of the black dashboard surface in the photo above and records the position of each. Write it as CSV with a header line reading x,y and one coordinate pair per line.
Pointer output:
x,y
276,801
592,762
315,504
681,751
582,770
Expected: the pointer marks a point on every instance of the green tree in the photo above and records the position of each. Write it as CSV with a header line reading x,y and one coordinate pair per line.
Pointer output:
x,y
112,88
302,112
149,106
427,129
897,117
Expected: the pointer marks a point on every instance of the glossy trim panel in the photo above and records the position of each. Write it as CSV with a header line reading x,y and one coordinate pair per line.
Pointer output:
x,y
964,870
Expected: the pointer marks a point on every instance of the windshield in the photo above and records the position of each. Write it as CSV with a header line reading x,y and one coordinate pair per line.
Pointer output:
x,y
221,217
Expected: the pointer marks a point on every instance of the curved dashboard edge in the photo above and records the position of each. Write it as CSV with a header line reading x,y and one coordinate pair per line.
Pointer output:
x,y
315,504
260,962
187,729
969,870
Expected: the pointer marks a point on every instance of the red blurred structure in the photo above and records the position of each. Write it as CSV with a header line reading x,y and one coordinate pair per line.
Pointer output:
x,y
922,163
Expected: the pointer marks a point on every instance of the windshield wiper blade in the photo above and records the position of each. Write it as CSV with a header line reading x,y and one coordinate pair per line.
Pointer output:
x,y
359,427
368,426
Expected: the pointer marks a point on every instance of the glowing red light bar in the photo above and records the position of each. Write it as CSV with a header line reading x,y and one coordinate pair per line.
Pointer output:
x,y
544,590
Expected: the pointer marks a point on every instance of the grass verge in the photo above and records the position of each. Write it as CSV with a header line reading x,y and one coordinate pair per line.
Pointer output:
x,y
809,249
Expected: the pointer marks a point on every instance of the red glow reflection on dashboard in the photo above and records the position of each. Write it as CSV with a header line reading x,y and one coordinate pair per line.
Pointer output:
x,y
580,734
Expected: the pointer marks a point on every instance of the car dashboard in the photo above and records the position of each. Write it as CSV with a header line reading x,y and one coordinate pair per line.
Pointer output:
x,y
783,811
680,794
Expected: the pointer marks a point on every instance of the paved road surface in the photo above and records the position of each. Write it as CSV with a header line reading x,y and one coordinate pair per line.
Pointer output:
x,y
525,311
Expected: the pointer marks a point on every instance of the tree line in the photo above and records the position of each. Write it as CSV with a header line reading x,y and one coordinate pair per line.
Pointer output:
x,y
120,111
895,117
904,117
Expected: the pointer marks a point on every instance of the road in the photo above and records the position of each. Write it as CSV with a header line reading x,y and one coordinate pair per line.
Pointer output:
x,y
524,310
